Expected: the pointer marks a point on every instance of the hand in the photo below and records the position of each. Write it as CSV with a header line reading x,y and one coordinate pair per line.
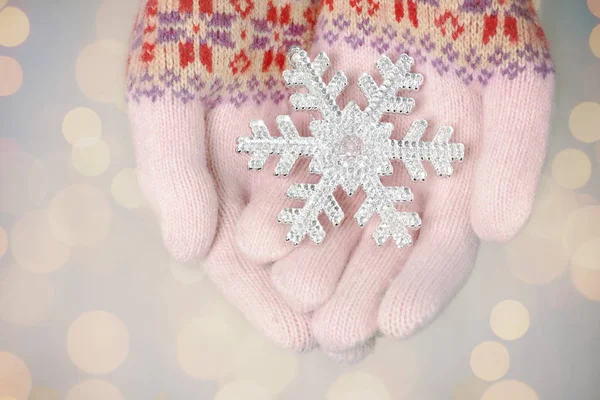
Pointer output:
x,y
488,74
188,169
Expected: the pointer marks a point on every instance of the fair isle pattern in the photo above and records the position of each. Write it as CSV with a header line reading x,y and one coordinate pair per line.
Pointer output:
x,y
234,50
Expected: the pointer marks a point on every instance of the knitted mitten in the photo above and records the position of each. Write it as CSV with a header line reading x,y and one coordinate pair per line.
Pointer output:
x,y
488,74
195,80
200,70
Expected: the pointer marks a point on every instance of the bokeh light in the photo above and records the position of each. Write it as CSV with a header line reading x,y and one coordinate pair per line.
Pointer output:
x,y
594,6
535,260
582,225
90,157
125,189
509,319
509,389
81,123
99,70
259,360
247,390
595,41
26,299
15,378
587,255
587,280
490,361
80,215
114,19
3,3
358,386
571,168
188,273
34,246
471,389
3,242
95,389
98,342
44,393
14,27
11,76
399,365
207,346
584,122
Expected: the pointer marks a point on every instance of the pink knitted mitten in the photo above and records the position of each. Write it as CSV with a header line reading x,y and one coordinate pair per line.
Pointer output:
x,y
200,70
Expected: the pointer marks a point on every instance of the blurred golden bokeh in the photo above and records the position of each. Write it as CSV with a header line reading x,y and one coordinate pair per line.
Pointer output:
x,y
95,389
490,361
358,386
399,365
587,256
587,280
207,346
90,157
584,122
594,6
586,199
535,260
114,19
3,242
595,41
246,390
3,3
15,378
471,389
99,70
45,393
34,246
125,189
571,168
98,342
11,76
25,299
582,225
188,273
81,123
80,215
509,389
509,319
259,360
14,27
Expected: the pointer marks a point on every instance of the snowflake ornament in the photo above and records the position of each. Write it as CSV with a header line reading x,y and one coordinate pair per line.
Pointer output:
x,y
350,148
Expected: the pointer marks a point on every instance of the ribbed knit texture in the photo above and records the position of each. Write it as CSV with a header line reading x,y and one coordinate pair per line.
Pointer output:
x,y
200,70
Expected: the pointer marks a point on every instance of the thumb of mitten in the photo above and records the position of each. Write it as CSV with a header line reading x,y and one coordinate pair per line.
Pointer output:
x,y
169,142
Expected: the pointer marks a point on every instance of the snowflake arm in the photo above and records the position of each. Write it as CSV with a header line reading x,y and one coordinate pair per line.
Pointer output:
x,y
351,148
393,223
309,74
290,145
412,151
319,198
383,99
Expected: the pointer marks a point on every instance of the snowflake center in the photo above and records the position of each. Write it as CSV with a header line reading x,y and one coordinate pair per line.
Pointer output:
x,y
351,146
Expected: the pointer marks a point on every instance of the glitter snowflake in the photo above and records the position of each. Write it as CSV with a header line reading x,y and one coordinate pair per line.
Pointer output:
x,y
350,148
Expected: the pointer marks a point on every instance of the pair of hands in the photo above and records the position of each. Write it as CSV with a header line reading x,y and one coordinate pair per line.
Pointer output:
x,y
342,293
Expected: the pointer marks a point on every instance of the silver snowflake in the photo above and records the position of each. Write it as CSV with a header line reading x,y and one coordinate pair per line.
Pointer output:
x,y
351,148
